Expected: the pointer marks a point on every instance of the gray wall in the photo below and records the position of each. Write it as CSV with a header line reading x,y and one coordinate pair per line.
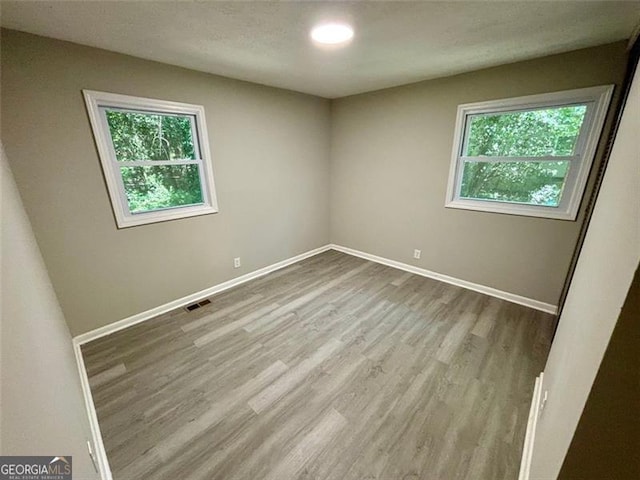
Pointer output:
x,y
606,443
270,152
390,159
604,273
42,405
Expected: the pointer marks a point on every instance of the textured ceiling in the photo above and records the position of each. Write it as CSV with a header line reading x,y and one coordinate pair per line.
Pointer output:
x,y
267,42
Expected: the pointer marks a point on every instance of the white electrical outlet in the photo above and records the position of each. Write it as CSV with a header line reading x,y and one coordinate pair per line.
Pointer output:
x,y
236,262
417,253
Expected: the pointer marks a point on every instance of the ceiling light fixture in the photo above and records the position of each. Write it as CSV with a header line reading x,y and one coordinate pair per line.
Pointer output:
x,y
332,33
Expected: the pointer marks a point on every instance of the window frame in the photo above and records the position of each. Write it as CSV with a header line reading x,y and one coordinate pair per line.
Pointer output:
x,y
96,103
597,100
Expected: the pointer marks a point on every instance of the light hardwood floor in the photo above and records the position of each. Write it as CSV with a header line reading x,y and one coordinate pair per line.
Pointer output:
x,y
332,368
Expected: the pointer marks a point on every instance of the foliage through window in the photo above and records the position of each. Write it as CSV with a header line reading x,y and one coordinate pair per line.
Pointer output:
x,y
528,155
155,157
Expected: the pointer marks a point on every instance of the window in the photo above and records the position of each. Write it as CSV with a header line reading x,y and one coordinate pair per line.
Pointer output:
x,y
528,155
155,157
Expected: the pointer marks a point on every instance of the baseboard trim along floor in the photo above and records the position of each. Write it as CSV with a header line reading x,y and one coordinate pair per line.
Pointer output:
x,y
221,287
100,453
534,413
194,297
476,287
84,338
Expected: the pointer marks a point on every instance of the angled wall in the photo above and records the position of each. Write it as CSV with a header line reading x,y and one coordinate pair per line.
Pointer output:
x,y
604,273
42,405
606,443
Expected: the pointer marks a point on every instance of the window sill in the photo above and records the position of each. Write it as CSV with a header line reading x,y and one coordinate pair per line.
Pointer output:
x,y
163,215
512,209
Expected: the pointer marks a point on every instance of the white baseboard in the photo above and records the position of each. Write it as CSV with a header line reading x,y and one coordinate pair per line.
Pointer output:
x,y
493,292
98,447
194,297
534,413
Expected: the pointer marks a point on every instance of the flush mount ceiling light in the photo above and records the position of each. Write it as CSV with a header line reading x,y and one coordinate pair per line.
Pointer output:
x,y
332,33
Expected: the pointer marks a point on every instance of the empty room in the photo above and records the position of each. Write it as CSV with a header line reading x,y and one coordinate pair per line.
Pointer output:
x,y
318,240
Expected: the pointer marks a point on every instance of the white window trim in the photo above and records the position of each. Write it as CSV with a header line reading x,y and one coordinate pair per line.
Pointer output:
x,y
111,167
586,147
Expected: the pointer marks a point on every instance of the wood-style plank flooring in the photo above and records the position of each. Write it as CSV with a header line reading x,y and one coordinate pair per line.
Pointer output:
x,y
332,368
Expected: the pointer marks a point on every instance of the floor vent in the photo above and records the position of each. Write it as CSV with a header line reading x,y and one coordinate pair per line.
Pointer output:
x,y
197,305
